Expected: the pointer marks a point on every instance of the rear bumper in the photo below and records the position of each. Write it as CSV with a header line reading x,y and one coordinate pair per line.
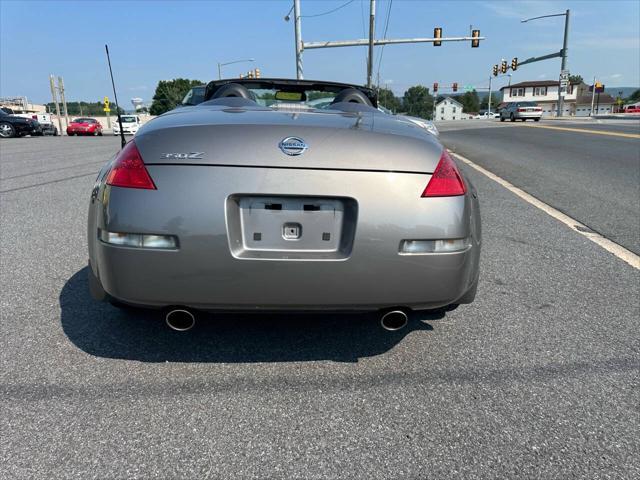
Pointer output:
x,y
204,274
528,114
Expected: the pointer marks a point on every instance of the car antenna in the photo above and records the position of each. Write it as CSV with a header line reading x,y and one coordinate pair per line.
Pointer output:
x,y
115,96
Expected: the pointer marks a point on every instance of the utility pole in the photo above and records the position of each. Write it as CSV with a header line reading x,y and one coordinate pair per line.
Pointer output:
x,y
593,96
489,104
62,99
54,96
372,26
298,33
563,65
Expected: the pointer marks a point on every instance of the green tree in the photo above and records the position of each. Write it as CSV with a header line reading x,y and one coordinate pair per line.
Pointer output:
x,y
495,101
576,79
470,102
169,93
418,102
387,99
634,97
89,109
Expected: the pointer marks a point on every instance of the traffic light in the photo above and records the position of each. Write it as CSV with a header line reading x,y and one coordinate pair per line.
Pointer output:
x,y
495,70
257,73
503,66
514,64
455,86
435,87
475,34
437,33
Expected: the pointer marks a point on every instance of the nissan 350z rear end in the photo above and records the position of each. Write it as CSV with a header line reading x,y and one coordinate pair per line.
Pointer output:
x,y
247,203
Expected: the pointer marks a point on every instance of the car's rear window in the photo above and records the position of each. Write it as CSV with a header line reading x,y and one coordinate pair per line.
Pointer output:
x,y
527,104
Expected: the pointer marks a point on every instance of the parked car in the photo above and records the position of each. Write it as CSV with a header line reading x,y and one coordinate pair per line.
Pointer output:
x,y
635,108
44,119
84,126
130,125
521,111
15,126
235,205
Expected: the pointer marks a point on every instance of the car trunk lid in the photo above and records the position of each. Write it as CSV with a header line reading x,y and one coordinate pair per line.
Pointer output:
x,y
253,138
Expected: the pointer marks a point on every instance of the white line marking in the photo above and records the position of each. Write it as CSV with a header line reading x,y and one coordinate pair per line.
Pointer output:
x,y
612,247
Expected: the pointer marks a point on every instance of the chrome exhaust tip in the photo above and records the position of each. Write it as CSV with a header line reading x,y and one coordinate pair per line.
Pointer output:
x,y
394,320
180,320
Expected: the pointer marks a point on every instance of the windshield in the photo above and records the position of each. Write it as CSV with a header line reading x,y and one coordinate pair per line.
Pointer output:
x,y
194,96
84,120
275,97
128,119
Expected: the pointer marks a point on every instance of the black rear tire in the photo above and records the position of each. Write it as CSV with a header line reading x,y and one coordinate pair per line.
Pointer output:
x,y
501,118
512,118
536,119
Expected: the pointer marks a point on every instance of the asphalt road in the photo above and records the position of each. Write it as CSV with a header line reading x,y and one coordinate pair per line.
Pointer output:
x,y
537,379
588,171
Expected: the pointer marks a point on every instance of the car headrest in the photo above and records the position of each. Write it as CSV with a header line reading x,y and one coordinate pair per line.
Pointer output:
x,y
231,90
352,95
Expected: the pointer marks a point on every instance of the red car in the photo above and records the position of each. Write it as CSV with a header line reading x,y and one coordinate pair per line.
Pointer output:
x,y
84,126
632,109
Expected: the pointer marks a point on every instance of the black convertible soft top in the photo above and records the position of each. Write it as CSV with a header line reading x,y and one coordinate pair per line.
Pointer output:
x,y
289,85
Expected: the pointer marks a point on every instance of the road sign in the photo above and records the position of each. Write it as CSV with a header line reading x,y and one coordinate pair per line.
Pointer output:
x,y
107,109
106,104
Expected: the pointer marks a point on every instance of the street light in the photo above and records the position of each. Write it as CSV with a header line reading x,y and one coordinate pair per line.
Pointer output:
x,y
220,65
563,52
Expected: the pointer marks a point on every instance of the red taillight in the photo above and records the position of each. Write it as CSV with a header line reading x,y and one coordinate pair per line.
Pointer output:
x,y
446,180
522,109
129,171
35,117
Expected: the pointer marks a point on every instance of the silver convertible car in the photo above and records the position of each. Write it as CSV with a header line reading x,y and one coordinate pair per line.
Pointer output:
x,y
255,200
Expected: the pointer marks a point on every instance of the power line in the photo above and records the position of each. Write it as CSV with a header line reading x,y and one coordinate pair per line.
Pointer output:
x,y
328,11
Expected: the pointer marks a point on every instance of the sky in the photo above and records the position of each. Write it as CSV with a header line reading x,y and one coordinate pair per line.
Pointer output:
x,y
160,40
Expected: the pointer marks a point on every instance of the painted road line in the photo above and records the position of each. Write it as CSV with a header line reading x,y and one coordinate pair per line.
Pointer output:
x,y
612,247
584,130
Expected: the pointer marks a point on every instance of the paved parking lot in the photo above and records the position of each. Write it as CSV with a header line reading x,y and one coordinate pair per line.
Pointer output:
x,y
537,378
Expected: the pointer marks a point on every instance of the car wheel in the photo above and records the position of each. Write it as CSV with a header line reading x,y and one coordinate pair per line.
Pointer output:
x,y
7,130
100,133
536,119
512,117
501,118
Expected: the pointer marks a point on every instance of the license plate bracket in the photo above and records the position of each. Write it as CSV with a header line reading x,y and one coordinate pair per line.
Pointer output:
x,y
291,227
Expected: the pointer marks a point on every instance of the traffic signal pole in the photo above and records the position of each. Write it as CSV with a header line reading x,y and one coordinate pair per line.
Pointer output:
x,y
562,53
370,42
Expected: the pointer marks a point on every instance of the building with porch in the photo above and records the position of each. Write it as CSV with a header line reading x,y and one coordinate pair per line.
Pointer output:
x,y
577,99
